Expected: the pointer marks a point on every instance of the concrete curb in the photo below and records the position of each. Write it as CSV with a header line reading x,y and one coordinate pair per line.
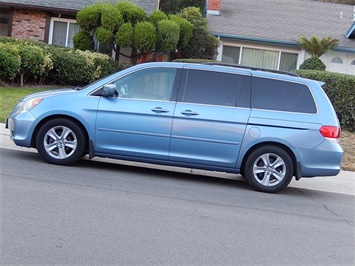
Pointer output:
x,y
343,183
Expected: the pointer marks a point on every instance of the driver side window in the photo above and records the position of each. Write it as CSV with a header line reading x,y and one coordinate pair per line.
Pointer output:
x,y
151,84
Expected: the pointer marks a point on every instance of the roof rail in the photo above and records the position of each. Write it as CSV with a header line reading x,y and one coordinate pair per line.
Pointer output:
x,y
252,68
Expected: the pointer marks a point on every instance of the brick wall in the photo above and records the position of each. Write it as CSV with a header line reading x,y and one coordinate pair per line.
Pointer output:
x,y
29,25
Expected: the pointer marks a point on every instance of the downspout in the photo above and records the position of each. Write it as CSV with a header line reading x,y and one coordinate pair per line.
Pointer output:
x,y
204,14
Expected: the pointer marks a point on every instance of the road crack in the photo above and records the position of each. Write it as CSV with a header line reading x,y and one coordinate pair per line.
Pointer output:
x,y
325,206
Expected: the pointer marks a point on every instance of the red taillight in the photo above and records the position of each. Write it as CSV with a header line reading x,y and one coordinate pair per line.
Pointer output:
x,y
330,132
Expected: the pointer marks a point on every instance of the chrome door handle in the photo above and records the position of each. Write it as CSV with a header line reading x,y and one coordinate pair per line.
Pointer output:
x,y
160,110
189,112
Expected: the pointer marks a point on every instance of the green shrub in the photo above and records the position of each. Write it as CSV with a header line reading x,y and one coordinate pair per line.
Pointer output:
x,y
9,40
89,17
144,36
103,35
131,13
99,65
10,62
111,17
83,41
193,60
124,37
69,68
34,62
340,89
313,63
104,67
157,16
82,67
186,29
168,35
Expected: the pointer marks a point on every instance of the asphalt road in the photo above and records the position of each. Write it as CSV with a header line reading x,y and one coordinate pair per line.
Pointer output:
x,y
101,213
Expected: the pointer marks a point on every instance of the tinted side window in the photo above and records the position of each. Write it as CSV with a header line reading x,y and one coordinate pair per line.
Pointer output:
x,y
154,84
216,88
280,95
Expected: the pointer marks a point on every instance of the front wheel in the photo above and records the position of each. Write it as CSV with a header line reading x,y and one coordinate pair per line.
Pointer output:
x,y
269,169
60,141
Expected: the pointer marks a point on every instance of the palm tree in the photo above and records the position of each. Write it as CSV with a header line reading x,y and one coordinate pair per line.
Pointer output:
x,y
316,47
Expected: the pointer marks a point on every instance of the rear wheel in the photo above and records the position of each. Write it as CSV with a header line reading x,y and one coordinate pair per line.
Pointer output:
x,y
61,141
269,169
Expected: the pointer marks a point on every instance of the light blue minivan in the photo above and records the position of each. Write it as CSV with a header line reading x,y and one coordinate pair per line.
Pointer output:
x,y
267,126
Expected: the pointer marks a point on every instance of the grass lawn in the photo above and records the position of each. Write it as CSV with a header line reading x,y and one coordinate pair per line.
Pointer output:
x,y
10,96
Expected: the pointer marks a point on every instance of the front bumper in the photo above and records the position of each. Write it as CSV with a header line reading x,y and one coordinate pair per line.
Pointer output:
x,y
21,127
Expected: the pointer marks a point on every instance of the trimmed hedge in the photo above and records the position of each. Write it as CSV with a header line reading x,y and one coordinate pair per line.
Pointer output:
x,y
37,63
313,63
196,61
340,89
10,62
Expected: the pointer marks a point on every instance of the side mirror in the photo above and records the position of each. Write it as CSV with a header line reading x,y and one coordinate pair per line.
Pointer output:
x,y
109,90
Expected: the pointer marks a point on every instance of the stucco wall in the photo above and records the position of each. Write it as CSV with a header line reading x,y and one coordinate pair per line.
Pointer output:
x,y
345,66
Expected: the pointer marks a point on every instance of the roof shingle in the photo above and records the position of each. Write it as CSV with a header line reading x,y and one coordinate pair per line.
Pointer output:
x,y
148,5
283,20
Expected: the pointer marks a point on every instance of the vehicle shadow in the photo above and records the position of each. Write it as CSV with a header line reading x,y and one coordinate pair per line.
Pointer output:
x,y
146,171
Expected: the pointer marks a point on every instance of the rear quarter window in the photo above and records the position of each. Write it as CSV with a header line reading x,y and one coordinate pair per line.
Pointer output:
x,y
278,95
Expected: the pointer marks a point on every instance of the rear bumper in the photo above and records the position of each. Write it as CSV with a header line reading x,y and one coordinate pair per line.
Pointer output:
x,y
324,160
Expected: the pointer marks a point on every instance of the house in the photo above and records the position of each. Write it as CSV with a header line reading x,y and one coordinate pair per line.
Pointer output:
x,y
49,21
264,33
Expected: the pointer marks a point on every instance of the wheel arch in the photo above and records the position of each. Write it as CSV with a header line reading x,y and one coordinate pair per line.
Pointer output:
x,y
296,169
48,118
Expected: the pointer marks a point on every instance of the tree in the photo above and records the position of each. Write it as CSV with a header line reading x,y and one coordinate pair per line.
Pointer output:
x,y
176,6
316,47
125,25
202,44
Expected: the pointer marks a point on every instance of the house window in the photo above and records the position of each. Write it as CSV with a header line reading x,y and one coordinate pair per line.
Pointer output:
x,y
4,21
231,54
260,58
62,32
337,60
288,61
353,63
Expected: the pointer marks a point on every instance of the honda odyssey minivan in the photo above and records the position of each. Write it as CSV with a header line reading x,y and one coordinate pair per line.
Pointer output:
x,y
269,127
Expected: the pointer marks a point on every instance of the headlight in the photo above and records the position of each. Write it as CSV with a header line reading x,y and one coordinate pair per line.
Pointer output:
x,y
28,105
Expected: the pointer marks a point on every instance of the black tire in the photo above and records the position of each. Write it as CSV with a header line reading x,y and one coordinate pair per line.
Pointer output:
x,y
60,141
269,169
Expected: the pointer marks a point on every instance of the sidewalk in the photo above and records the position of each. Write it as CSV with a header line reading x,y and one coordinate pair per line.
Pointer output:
x,y
343,183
